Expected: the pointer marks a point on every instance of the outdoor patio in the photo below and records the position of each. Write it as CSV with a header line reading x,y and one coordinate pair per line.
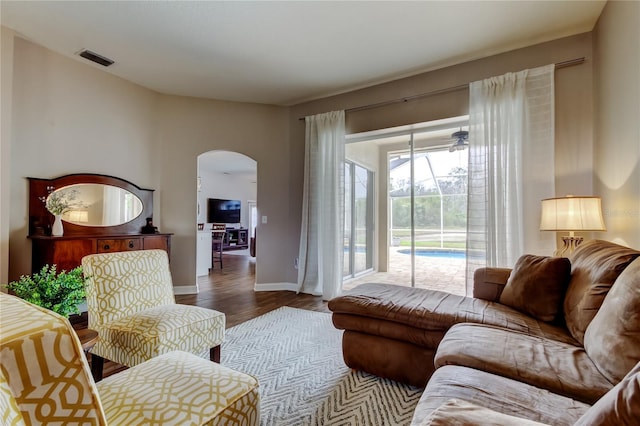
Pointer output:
x,y
435,273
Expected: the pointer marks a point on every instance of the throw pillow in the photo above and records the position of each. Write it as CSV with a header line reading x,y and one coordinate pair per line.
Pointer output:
x,y
595,266
616,327
619,406
537,286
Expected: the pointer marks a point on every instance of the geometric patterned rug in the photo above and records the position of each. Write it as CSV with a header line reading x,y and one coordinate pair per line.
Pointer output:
x,y
296,355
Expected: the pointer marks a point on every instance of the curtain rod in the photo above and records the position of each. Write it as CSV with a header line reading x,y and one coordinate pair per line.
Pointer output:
x,y
563,64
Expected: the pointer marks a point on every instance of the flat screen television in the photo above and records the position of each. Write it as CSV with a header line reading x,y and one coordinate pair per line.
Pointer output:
x,y
223,211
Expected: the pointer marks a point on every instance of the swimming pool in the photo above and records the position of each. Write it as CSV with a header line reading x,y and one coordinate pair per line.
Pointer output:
x,y
451,254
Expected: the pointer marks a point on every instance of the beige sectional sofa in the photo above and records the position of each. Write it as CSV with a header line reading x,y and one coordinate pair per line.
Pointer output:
x,y
543,342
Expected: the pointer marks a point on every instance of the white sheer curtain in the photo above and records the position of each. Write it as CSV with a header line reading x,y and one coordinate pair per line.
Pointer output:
x,y
321,237
112,205
511,167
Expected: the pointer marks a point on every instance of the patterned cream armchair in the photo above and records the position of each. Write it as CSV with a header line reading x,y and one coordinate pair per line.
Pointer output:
x,y
132,307
45,379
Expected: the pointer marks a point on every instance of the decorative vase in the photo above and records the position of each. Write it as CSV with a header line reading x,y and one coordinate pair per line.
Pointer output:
x,y
57,230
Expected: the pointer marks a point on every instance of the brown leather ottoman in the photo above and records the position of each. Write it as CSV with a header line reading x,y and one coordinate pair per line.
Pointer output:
x,y
385,333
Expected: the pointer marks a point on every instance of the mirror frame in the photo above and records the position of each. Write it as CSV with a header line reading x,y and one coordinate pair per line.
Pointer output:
x,y
40,220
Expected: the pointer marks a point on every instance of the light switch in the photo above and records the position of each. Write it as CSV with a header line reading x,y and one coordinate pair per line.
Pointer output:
x,y
264,219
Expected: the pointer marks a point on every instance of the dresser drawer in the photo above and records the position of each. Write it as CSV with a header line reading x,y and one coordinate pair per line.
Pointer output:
x,y
124,244
150,242
67,251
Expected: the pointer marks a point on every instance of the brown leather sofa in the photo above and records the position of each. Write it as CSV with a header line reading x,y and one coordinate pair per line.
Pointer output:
x,y
543,341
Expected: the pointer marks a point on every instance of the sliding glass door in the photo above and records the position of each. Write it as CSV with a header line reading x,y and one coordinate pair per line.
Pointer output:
x,y
419,237
427,208
358,220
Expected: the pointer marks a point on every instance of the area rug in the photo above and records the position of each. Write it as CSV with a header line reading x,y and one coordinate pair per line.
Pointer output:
x,y
297,357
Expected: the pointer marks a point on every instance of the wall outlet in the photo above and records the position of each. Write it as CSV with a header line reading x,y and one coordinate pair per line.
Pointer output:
x,y
264,219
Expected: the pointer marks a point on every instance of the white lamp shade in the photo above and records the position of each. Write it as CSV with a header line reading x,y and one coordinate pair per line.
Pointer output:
x,y
572,214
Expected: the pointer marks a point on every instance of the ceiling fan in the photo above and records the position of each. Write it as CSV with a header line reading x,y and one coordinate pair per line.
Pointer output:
x,y
461,140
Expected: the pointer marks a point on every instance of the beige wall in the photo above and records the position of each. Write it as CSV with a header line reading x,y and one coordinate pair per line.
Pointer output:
x,y
69,117
574,110
6,93
617,130
188,127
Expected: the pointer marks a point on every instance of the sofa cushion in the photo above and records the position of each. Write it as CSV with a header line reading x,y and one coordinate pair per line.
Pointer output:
x,y
456,412
496,393
595,266
135,338
537,286
616,327
423,309
488,282
562,368
620,406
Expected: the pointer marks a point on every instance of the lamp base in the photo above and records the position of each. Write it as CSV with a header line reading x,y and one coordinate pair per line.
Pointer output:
x,y
569,246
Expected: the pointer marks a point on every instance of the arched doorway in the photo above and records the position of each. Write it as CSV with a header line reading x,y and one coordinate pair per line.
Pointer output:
x,y
227,193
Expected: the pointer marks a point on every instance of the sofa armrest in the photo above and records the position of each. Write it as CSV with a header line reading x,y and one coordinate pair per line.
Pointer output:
x,y
460,412
488,283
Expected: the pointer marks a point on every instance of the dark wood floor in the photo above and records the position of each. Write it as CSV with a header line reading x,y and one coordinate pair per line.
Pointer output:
x,y
230,290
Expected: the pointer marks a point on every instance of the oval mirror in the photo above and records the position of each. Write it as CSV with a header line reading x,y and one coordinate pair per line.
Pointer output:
x,y
93,204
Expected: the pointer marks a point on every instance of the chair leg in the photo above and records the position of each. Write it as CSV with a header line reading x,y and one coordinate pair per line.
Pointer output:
x,y
214,354
97,362
216,255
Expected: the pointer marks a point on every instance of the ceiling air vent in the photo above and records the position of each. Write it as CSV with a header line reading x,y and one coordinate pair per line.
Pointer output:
x,y
98,59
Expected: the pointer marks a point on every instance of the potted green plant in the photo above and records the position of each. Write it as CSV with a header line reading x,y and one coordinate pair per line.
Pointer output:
x,y
60,292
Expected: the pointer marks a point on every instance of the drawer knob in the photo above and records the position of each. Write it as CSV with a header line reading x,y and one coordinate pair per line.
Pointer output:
x,y
106,247
130,244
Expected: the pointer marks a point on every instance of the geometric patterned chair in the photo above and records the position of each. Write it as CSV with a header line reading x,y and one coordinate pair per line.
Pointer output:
x,y
131,305
45,379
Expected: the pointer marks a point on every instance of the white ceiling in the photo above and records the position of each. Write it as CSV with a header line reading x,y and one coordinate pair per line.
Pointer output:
x,y
230,163
284,53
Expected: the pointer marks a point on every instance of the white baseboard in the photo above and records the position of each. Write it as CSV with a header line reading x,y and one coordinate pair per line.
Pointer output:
x,y
275,287
185,289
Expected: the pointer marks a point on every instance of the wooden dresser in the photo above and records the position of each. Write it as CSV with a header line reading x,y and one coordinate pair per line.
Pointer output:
x,y
67,252
90,234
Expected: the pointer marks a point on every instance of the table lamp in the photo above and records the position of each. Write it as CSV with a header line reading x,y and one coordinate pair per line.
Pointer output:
x,y
571,213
